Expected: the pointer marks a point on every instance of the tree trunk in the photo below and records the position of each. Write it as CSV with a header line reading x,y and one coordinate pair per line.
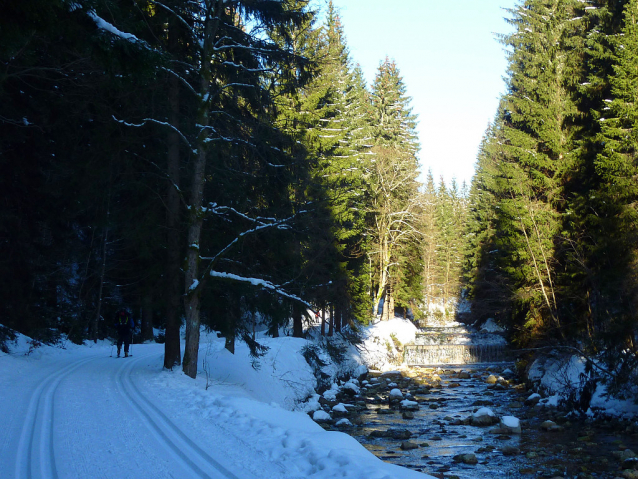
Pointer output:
x,y
172,348
147,316
232,320
192,286
331,324
297,324
338,317
96,320
323,319
383,274
391,306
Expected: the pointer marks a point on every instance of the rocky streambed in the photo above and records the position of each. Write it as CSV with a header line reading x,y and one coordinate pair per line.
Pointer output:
x,y
476,421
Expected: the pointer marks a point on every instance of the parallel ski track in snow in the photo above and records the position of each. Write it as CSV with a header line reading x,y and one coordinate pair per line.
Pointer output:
x,y
183,450
36,447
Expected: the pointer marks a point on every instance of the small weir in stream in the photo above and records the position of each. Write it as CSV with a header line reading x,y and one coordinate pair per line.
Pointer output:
x,y
433,431
438,354
453,343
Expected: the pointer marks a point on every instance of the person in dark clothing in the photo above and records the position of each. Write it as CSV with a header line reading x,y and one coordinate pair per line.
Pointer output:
x,y
124,325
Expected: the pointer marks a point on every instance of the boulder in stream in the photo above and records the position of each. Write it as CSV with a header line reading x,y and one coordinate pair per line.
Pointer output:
x,y
509,425
408,446
551,426
510,451
343,423
466,459
483,417
407,405
396,394
394,433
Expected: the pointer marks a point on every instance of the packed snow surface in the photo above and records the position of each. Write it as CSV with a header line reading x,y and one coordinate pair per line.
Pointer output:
x,y
79,413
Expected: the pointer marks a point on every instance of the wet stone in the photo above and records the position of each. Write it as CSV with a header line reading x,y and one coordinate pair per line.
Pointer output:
x,y
408,446
466,459
510,451
392,433
385,411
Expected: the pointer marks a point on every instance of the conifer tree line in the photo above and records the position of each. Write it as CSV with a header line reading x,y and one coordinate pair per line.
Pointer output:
x,y
552,220
217,162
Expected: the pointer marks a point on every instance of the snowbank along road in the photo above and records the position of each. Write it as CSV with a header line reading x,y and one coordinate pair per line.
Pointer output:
x,y
78,413
90,417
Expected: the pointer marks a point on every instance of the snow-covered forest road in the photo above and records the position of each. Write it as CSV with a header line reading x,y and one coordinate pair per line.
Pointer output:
x,y
90,415
79,413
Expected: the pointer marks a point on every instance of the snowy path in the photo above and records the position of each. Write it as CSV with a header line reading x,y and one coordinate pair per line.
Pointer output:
x,y
78,413
87,417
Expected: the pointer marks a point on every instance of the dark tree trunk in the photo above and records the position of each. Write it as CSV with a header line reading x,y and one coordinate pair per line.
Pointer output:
x,y
233,317
323,319
331,323
338,317
172,349
147,316
297,324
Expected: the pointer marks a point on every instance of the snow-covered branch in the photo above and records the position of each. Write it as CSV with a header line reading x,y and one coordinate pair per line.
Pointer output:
x,y
104,25
177,15
262,226
152,120
264,284
180,78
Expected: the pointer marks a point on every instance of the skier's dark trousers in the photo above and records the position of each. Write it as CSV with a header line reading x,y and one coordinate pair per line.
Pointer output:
x,y
124,325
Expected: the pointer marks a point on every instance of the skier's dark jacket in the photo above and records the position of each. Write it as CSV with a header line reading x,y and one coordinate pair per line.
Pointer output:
x,y
123,323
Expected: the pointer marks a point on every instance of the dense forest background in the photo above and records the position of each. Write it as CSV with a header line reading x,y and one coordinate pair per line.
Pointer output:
x,y
224,163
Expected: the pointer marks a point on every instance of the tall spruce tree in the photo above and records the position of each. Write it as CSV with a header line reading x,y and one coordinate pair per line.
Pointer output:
x,y
537,114
613,256
395,202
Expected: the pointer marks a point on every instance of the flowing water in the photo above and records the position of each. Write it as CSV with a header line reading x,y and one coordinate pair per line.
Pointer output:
x,y
581,449
443,444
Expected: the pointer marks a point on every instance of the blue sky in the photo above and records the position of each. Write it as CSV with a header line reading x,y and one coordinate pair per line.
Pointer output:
x,y
450,61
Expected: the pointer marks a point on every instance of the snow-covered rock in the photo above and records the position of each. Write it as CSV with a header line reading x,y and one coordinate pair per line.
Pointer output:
x,y
343,423
340,408
490,326
533,399
483,417
510,425
409,405
351,387
396,394
321,416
